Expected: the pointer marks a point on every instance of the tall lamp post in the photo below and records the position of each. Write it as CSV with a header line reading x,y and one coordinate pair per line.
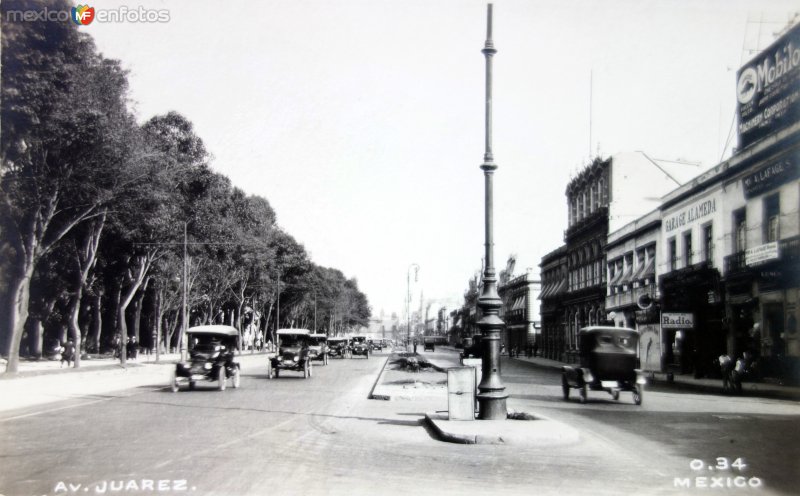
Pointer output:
x,y
408,300
491,395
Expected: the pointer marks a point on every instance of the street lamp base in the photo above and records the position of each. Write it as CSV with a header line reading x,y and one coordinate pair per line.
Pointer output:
x,y
492,406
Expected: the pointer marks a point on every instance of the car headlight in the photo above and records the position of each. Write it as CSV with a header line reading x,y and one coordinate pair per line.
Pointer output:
x,y
207,366
296,358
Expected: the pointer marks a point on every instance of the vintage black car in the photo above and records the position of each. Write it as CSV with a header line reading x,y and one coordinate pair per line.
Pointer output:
x,y
474,349
339,347
359,346
377,344
318,348
293,353
211,357
429,343
608,362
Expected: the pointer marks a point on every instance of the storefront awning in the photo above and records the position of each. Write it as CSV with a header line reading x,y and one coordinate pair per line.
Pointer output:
x,y
626,277
560,288
645,271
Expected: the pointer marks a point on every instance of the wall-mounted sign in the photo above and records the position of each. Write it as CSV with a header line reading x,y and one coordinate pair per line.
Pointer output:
x,y
672,320
698,211
761,254
772,175
768,89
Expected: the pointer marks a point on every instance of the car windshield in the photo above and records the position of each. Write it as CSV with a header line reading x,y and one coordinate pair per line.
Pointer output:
x,y
359,340
292,340
317,341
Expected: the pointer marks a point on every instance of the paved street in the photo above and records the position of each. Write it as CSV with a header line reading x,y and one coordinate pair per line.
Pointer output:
x,y
323,436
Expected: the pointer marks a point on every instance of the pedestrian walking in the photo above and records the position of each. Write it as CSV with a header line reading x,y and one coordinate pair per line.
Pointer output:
x,y
68,353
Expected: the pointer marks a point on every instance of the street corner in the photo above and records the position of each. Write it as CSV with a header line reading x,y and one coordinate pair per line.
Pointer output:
x,y
519,429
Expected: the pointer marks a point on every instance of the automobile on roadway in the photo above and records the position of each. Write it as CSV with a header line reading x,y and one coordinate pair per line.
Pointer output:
x,y
293,353
339,347
211,358
608,362
359,346
318,348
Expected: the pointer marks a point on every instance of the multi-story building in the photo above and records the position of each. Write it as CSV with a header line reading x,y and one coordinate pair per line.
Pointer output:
x,y
553,313
605,196
632,295
520,311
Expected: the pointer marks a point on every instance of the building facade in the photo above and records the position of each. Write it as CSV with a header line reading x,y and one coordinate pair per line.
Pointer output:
x,y
554,272
520,312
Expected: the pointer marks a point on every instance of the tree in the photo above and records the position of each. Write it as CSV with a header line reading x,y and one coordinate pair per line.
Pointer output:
x,y
55,154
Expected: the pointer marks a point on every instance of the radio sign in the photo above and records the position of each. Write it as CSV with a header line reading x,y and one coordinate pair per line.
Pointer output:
x,y
677,320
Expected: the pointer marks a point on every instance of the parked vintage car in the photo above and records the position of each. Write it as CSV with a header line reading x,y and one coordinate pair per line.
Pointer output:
x,y
211,357
318,348
293,353
339,347
608,362
429,343
359,346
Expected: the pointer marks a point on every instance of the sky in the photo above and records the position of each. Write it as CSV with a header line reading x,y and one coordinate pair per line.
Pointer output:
x,y
362,121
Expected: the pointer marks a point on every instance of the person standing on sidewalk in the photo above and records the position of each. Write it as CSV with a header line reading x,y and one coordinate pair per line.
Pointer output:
x,y
68,353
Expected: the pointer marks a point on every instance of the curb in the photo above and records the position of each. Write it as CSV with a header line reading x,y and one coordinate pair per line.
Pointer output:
x,y
371,395
536,437
72,370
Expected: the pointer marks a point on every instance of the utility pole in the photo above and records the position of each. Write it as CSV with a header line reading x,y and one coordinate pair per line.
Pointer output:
x,y
185,289
408,300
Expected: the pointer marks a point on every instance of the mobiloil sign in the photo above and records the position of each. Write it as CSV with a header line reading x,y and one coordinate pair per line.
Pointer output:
x,y
768,89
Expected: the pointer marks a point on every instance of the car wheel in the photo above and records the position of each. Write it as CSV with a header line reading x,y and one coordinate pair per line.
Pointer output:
x,y
583,393
174,386
221,378
615,394
565,387
236,378
638,393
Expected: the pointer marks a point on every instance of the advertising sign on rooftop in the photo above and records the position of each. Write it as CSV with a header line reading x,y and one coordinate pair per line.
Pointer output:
x,y
768,90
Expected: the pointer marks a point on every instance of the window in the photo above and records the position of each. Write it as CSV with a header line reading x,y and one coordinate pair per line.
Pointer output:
x,y
772,211
708,244
672,253
740,229
580,206
687,248
573,218
595,199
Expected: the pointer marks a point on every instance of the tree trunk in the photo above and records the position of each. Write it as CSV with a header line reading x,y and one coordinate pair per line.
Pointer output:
x,y
75,330
97,321
19,314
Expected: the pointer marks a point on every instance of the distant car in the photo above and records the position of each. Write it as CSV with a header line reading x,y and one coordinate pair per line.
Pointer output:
x,y
318,348
339,347
359,346
293,353
474,349
211,357
429,344
377,344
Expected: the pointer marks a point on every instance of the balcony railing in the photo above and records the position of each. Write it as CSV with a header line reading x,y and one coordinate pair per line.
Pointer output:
x,y
628,298
788,251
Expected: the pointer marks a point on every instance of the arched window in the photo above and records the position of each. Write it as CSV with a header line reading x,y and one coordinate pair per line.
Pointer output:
x,y
593,197
603,193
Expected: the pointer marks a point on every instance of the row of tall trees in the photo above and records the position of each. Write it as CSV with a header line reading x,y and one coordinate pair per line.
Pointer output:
x,y
101,218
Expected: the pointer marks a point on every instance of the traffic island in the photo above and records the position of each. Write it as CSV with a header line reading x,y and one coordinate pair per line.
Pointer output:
x,y
520,429
407,376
